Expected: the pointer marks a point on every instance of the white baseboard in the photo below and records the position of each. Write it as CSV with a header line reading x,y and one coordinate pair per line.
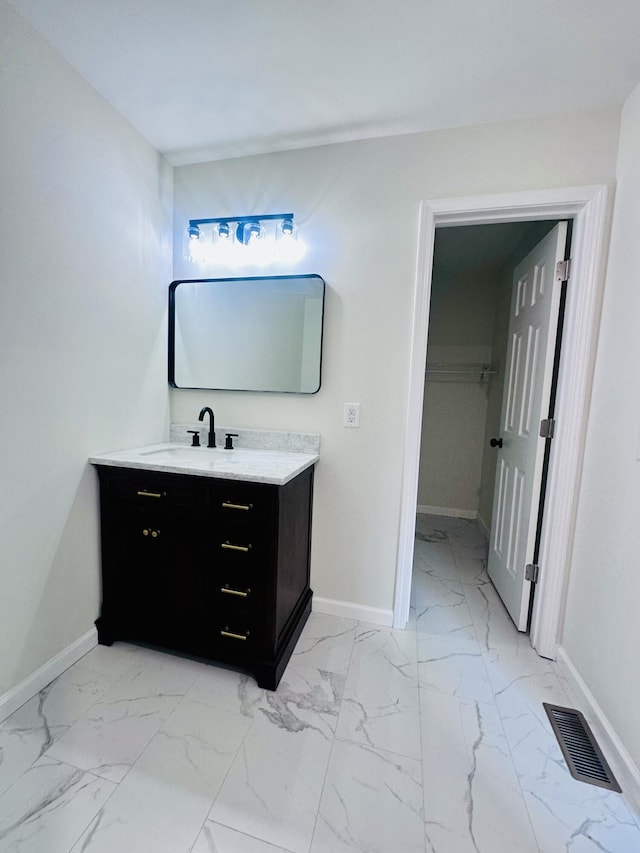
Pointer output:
x,y
623,766
350,610
32,685
483,526
445,510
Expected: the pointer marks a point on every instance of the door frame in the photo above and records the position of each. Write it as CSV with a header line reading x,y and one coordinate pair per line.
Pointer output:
x,y
587,207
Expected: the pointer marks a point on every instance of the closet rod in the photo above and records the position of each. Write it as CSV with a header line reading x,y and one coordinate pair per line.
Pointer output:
x,y
443,368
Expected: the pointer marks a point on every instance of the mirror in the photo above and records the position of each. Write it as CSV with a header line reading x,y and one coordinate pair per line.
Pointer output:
x,y
247,334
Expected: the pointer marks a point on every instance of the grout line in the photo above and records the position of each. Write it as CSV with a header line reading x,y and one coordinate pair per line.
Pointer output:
x,y
333,740
96,818
534,834
229,768
422,767
494,705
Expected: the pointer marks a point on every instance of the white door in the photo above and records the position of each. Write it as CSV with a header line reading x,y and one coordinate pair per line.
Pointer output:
x,y
533,327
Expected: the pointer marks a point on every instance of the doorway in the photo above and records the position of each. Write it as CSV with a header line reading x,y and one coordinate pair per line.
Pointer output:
x,y
586,207
488,373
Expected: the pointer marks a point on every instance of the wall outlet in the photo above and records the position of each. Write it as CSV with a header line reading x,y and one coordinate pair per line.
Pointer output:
x,y
351,415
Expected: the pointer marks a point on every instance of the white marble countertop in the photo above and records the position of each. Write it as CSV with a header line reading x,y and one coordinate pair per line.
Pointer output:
x,y
255,465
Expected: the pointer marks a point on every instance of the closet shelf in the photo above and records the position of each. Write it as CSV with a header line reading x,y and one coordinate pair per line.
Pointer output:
x,y
461,371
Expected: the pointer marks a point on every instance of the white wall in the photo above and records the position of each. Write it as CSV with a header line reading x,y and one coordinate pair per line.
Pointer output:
x,y
85,225
602,628
357,206
461,324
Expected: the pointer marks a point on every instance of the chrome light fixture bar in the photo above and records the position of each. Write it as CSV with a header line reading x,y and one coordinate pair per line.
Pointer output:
x,y
247,227
235,241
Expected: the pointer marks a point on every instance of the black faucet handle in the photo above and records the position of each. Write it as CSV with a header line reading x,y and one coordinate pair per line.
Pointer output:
x,y
228,440
195,441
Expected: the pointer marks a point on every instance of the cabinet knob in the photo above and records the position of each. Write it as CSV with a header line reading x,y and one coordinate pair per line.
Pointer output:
x,y
145,532
155,533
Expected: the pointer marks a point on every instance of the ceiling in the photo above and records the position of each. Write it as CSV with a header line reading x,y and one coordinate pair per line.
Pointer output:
x,y
206,79
483,248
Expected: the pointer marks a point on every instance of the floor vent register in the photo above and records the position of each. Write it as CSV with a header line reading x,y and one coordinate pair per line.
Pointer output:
x,y
581,752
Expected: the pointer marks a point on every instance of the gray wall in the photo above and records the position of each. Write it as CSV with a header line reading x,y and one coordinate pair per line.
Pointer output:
x,y
84,241
461,323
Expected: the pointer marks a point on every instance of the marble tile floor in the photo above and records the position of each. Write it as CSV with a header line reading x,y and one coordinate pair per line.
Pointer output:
x,y
430,740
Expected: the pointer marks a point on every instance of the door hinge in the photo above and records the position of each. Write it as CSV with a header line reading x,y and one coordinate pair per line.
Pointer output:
x,y
531,572
547,427
563,270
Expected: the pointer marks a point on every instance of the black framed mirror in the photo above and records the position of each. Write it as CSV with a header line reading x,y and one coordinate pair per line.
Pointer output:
x,y
262,333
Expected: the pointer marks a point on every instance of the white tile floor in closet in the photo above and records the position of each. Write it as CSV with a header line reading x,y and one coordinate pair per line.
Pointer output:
x,y
430,740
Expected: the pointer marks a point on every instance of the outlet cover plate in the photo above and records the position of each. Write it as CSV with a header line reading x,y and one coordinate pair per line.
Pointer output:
x,y
351,415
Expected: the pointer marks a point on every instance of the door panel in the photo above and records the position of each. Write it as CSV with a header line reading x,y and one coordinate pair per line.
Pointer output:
x,y
528,376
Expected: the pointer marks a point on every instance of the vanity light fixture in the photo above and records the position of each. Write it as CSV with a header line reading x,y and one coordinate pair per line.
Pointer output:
x,y
237,241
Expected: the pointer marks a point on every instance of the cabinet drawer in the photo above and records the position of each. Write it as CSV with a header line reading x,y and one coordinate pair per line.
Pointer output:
x,y
240,554
155,491
236,635
239,574
233,596
239,603
244,507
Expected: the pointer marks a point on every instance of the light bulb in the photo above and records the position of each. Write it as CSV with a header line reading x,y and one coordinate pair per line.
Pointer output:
x,y
247,232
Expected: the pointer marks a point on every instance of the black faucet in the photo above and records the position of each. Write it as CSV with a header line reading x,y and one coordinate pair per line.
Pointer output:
x,y
212,425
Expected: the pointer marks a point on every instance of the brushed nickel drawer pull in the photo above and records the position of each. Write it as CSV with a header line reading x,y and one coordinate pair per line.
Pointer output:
x,y
230,591
233,636
144,494
229,505
229,547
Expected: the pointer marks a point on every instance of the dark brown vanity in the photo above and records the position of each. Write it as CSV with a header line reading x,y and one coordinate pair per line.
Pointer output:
x,y
208,566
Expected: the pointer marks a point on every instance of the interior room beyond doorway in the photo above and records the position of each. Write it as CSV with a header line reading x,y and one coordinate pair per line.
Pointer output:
x,y
464,377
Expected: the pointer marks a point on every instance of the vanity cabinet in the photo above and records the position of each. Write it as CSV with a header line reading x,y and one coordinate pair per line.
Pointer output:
x,y
210,567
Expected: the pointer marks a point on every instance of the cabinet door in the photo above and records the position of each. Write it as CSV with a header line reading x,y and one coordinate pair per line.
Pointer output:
x,y
157,593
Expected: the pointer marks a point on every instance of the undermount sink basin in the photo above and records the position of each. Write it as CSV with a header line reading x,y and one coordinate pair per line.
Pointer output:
x,y
191,454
